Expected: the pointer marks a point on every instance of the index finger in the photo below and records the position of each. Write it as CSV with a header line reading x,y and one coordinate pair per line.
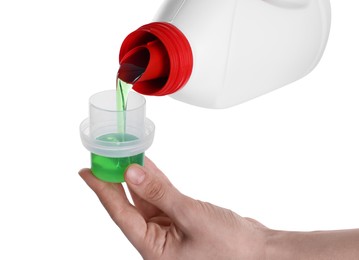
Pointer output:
x,y
124,214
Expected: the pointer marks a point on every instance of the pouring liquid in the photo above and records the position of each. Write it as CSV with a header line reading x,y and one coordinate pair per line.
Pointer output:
x,y
112,169
127,75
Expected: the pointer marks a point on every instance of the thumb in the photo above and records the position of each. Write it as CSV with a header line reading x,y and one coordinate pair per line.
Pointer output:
x,y
151,185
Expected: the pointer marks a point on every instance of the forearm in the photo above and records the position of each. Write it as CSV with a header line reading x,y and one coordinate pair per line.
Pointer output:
x,y
343,244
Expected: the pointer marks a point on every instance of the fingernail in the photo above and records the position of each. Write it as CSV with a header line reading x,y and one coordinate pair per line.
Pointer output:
x,y
135,175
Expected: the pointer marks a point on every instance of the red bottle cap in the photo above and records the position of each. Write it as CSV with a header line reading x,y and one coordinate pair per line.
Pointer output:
x,y
165,53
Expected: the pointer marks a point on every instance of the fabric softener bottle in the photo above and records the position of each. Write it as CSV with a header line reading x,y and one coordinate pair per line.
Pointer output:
x,y
216,54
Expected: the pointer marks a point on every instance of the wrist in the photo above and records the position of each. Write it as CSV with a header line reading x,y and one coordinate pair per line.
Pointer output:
x,y
340,244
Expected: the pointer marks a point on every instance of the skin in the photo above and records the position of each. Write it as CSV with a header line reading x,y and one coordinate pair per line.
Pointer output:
x,y
165,224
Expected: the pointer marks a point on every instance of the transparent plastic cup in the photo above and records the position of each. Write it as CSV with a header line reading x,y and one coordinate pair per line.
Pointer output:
x,y
114,137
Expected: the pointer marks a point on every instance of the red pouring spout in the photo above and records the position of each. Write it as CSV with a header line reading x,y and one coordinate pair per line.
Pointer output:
x,y
144,63
164,54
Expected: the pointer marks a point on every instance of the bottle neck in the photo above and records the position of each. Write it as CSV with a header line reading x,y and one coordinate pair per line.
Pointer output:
x,y
165,54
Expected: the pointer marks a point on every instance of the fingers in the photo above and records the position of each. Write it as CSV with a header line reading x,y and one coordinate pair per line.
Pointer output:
x,y
114,199
147,210
150,185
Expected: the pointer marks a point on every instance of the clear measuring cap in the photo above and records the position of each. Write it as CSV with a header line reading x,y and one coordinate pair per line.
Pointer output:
x,y
116,138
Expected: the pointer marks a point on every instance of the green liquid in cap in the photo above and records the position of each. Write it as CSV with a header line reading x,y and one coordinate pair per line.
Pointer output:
x,y
113,169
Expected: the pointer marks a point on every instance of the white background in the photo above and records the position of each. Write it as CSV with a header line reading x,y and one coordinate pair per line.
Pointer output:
x,y
289,159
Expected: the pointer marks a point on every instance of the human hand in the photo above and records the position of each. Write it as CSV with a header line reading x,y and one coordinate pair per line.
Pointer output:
x,y
165,224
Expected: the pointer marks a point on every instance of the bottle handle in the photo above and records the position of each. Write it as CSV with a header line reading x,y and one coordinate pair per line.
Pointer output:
x,y
289,4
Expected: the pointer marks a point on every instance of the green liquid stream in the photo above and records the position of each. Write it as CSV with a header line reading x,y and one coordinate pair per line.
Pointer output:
x,y
127,75
122,90
112,169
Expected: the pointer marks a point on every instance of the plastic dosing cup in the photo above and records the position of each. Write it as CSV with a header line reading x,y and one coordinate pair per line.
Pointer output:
x,y
116,138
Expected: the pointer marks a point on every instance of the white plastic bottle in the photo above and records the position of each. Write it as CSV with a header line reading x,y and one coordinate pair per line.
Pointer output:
x,y
216,54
